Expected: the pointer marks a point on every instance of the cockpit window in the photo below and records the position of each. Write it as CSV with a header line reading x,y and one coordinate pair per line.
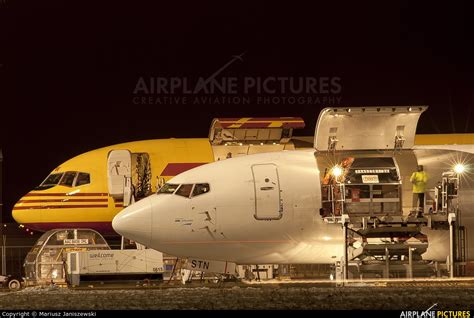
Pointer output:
x,y
68,179
168,188
200,188
52,179
65,179
82,178
184,190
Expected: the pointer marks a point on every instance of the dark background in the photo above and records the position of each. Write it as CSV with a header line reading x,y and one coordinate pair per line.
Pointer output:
x,y
68,69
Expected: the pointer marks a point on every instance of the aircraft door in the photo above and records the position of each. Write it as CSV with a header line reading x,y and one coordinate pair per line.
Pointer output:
x,y
268,203
119,175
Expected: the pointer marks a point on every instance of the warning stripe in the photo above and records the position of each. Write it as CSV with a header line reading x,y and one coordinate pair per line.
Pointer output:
x,y
45,207
230,119
265,125
261,119
272,125
63,200
102,227
267,122
36,194
276,119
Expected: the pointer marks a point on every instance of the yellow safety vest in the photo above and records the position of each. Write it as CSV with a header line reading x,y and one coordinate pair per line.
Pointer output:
x,y
419,180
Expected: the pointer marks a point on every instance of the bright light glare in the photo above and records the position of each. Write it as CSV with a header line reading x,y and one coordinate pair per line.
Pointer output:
x,y
459,168
337,171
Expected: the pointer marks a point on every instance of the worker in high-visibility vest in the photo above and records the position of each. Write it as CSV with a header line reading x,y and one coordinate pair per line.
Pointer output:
x,y
419,179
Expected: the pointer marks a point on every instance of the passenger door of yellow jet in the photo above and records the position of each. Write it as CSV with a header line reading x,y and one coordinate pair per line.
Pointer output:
x,y
119,175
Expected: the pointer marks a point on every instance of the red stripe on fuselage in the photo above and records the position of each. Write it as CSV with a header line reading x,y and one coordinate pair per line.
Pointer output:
x,y
173,169
104,228
47,207
63,200
36,194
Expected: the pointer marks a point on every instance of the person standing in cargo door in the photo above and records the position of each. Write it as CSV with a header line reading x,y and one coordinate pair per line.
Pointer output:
x,y
419,179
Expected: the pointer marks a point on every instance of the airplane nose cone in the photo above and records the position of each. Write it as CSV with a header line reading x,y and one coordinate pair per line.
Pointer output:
x,y
134,222
20,211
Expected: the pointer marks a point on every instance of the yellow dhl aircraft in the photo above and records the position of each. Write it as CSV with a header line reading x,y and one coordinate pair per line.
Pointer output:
x,y
87,191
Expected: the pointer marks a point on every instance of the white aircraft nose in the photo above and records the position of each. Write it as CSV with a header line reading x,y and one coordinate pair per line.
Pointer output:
x,y
135,221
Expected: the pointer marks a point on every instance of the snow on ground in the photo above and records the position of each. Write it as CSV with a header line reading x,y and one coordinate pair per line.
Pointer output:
x,y
271,296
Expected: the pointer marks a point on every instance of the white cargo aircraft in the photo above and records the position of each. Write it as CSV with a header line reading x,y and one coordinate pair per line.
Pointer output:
x,y
287,207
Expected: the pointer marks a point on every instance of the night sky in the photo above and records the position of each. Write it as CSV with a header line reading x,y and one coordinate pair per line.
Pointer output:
x,y
68,70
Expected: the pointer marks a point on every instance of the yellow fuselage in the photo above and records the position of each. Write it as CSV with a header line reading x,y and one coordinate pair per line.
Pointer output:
x,y
90,205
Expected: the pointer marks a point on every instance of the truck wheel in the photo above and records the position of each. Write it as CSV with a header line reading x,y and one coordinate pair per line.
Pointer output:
x,y
14,284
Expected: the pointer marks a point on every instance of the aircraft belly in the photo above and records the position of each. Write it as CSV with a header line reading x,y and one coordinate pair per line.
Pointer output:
x,y
258,252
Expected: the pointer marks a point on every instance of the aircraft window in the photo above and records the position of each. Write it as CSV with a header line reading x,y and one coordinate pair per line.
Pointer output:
x,y
83,178
185,190
68,179
201,188
168,188
52,179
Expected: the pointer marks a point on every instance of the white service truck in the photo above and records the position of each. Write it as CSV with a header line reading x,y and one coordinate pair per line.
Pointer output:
x,y
114,265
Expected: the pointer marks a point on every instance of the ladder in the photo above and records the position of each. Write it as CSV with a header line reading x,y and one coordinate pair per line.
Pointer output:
x,y
461,250
449,190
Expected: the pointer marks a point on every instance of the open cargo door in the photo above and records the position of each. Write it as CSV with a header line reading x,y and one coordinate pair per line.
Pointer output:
x,y
367,128
119,174
254,130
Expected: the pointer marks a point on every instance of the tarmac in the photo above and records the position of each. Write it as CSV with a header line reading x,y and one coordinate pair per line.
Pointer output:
x,y
300,295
